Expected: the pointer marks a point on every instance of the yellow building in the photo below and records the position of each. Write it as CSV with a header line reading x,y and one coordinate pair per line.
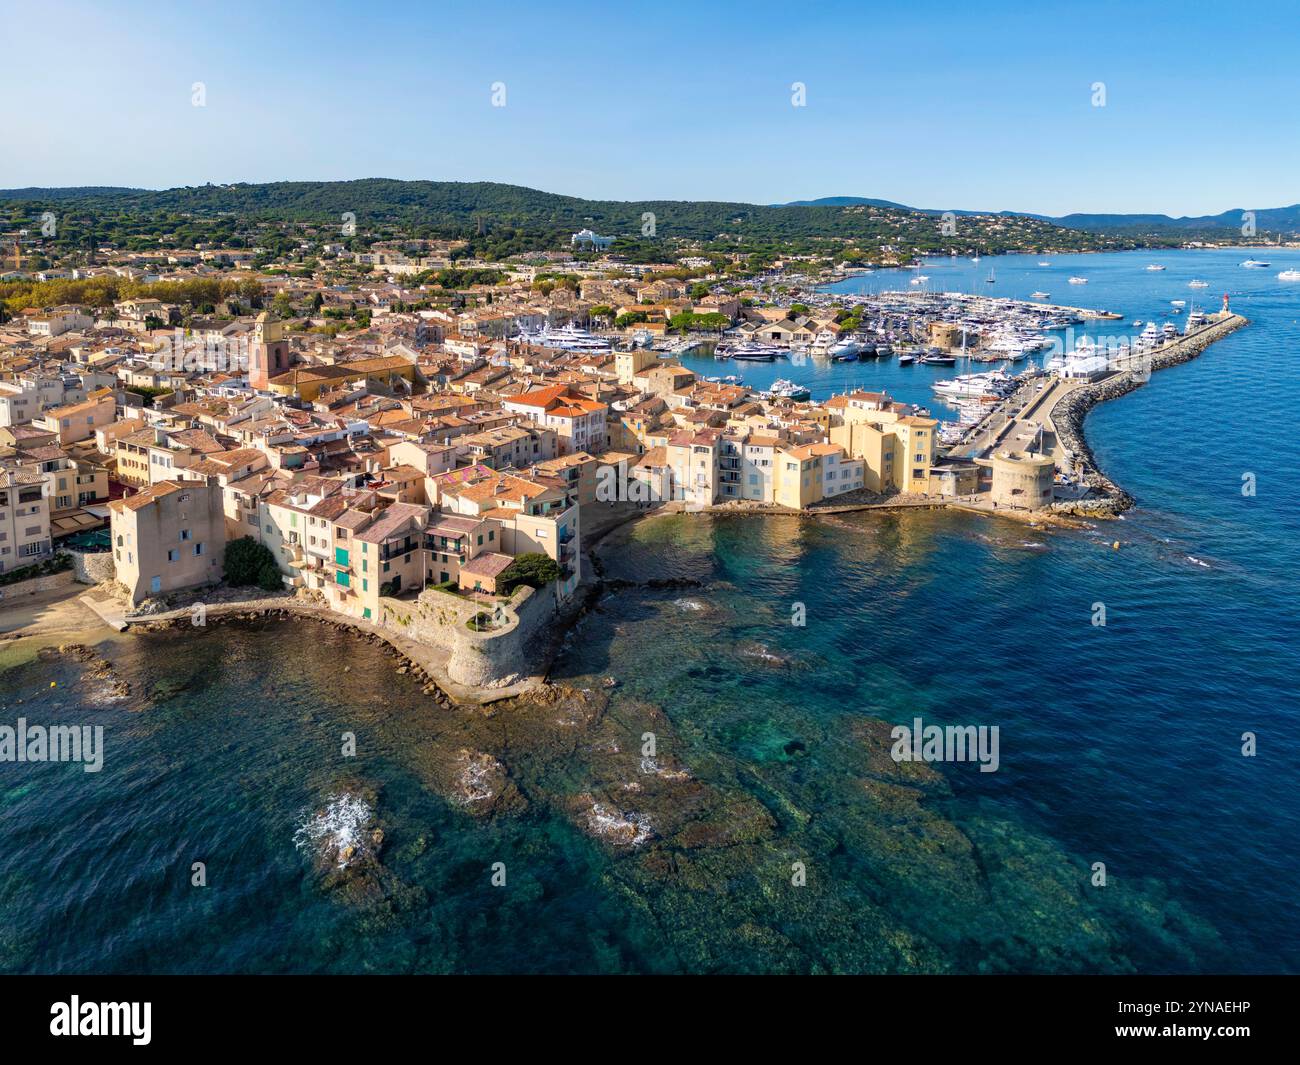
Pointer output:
x,y
798,478
914,454
630,363
896,446
307,382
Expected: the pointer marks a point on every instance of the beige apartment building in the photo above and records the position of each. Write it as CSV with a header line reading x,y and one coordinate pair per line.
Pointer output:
x,y
579,423
695,462
24,518
168,536
79,421
897,447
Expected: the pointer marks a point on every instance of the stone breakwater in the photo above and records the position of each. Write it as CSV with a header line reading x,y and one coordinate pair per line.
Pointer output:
x,y
1068,417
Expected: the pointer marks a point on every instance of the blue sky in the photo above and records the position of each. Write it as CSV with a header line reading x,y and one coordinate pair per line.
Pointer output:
x,y
975,105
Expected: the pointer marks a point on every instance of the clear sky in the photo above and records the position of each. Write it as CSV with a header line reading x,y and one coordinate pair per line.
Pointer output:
x,y
977,105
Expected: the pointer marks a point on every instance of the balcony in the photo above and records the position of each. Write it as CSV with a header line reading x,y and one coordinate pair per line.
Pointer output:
x,y
393,549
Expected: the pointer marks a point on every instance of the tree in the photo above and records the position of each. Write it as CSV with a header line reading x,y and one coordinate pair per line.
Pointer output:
x,y
248,562
533,569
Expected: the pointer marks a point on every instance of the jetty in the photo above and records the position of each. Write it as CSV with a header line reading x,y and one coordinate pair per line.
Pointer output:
x,y
1051,411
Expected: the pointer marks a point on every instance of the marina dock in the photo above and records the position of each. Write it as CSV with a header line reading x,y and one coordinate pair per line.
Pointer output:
x,y
1051,412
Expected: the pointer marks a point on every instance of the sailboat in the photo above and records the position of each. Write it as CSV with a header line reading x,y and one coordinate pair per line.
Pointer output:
x,y
992,278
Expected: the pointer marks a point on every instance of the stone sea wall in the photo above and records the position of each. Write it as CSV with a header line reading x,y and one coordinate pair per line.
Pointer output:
x,y
512,650
430,634
1068,418
35,585
91,567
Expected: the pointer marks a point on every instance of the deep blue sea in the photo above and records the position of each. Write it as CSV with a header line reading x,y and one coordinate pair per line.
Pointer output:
x,y
768,830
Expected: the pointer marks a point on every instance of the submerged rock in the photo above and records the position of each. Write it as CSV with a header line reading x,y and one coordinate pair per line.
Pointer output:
x,y
341,833
763,655
607,822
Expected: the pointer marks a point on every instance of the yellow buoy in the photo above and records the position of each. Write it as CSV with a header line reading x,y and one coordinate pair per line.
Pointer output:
x,y
1115,545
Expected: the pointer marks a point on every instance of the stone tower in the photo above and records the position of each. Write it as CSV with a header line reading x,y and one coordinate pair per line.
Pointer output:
x,y
270,355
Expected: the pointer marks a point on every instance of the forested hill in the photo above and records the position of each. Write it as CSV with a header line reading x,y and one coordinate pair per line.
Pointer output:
x,y
143,218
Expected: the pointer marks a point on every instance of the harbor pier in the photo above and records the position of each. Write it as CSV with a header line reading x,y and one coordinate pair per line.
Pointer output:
x,y
1050,414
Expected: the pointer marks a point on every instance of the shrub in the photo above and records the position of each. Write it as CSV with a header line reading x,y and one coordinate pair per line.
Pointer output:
x,y
248,562
46,568
533,569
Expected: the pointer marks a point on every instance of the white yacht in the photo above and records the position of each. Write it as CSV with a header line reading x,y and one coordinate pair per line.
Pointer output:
x,y
1289,275
1150,335
993,385
1198,284
567,338
1155,266
754,352
1178,303
849,347
1044,262
920,279
783,389
822,343
1255,264
1039,295
1078,280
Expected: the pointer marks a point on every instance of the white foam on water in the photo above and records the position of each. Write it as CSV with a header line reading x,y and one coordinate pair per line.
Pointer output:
x,y
631,829
341,825
475,779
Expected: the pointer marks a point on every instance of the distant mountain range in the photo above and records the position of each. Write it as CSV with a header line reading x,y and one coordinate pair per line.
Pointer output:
x,y
1271,219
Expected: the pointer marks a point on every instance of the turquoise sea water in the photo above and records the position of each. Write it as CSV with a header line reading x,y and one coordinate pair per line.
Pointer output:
x,y
1118,744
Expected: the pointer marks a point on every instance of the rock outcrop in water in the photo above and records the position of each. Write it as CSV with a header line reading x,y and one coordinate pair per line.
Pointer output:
x,y
344,838
107,685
